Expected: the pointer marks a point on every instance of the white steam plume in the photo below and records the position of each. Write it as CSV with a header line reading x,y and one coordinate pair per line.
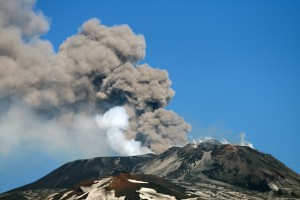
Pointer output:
x,y
244,142
114,122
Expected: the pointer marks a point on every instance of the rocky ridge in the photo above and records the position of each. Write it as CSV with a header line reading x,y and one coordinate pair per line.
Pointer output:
x,y
208,170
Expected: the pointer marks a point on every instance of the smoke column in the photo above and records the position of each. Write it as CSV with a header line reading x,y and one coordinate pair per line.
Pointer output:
x,y
49,100
244,142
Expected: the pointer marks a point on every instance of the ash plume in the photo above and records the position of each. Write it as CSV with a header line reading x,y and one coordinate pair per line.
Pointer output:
x,y
53,97
162,129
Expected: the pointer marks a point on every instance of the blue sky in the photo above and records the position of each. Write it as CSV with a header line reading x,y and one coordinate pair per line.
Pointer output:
x,y
235,66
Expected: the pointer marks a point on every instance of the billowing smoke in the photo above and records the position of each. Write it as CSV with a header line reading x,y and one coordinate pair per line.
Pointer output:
x,y
49,97
154,129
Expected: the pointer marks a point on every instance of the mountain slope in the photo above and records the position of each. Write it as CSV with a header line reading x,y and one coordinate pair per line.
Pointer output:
x,y
206,170
77,171
236,165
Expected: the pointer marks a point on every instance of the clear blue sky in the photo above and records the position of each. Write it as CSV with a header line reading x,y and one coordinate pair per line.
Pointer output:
x,y
235,65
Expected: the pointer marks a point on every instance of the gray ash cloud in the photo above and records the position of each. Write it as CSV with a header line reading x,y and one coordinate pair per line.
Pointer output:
x,y
93,71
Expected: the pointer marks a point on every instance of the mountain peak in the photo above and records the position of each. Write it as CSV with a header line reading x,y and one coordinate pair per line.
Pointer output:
x,y
208,169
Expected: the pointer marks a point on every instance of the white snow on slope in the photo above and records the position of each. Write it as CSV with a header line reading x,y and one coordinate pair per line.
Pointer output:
x,y
101,193
104,183
66,194
135,181
147,193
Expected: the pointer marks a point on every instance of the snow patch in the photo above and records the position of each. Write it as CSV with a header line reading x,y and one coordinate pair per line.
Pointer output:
x,y
135,181
104,183
101,193
148,193
66,194
52,196
117,161
273,187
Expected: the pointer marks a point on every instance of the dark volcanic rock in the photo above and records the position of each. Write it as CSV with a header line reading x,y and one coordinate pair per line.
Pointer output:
x,y
123,187
77,171
209,169
246,167
236,165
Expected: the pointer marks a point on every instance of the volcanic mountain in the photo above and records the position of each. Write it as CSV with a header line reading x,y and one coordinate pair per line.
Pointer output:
x,y
207,170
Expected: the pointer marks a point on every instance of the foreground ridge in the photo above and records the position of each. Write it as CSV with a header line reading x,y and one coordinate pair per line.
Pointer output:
x,y
208,170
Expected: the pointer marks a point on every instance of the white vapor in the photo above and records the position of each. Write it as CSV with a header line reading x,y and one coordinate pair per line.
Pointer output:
x,y
224,141
244,142
114,122
206,139
24,131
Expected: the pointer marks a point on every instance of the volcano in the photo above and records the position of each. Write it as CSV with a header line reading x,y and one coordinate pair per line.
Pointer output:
x,y
207,170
